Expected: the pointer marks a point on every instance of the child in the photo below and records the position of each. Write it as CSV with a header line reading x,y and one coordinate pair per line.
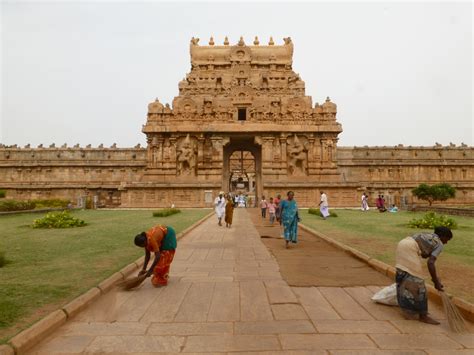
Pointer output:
x,y
263,207
271,210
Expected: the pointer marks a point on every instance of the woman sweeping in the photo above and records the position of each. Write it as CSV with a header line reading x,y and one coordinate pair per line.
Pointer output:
x,y
289,218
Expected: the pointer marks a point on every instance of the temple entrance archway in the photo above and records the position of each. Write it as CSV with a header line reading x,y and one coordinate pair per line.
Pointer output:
x,y
242,168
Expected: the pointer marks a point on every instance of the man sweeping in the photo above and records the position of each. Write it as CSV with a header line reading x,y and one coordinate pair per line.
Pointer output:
x,y
160,240
411,290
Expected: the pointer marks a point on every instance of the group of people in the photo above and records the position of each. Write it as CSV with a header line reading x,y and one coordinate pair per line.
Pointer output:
x,y
379,204
285,212
224,206
272,207
411,290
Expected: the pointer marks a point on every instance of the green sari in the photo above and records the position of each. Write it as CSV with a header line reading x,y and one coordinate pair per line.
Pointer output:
x,y
289,219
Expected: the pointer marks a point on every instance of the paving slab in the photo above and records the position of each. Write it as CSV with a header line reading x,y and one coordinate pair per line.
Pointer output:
x,y
326,341
415,341
355,327
316,306
288,311
226,343
274,327
225,303
226,296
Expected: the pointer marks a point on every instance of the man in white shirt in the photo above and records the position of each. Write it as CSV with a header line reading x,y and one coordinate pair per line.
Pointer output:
x,y
219,203
324,206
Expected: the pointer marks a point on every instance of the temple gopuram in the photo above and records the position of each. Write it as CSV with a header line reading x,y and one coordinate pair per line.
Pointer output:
x,y
241,123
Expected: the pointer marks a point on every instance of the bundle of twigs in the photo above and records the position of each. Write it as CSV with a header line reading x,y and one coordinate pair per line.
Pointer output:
x,y
455,318
132,283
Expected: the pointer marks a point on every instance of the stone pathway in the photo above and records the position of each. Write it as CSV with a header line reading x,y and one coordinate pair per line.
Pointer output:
x,y
226,295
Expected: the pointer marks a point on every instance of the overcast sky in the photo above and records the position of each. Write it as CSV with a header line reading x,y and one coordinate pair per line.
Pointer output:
x,y
84,72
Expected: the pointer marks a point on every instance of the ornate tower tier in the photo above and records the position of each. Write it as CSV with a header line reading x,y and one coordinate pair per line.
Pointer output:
x,y
242,98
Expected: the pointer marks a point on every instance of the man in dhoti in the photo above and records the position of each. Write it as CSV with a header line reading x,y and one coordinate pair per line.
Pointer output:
x,y
411,291
324,205
219,204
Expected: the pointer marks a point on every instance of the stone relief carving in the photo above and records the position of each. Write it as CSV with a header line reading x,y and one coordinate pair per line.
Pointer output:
x,y
186,157
297,156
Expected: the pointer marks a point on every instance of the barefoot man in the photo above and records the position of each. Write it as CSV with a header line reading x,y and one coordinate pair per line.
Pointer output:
x,y
411,290
160,240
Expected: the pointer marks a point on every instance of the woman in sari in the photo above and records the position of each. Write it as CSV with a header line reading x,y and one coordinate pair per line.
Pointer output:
x,y
289,218
229,211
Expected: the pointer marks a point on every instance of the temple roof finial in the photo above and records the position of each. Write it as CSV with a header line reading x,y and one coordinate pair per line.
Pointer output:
x,y
211,41
241,41
256,41
226,41
271,42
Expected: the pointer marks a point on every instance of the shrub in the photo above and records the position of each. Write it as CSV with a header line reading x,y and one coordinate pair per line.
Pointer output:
x,y
14,205
3,193
3,261
52,203
432,220
165,212
62,219
438,192
317,212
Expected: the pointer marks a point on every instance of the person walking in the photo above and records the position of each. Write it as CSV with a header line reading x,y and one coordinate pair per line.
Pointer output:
x,y
229,211
271,210
289,219
219,204
365,202
263,207
324,206
277,201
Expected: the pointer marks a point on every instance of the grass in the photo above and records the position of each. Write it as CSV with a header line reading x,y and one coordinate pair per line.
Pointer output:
x,y
377,235
48,268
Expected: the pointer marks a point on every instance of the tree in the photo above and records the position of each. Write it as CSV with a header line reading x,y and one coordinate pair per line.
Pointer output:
x,y
438,192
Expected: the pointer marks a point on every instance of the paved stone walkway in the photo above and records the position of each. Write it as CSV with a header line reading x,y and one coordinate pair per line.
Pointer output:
x,y
226,295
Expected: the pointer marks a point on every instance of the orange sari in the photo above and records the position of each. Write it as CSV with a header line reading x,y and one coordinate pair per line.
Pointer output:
x,y
155,238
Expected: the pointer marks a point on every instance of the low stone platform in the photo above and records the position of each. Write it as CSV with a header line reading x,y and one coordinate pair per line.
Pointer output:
x,y
226,295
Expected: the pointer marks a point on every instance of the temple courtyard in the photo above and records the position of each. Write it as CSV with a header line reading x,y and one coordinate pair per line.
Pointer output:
x,y
227,295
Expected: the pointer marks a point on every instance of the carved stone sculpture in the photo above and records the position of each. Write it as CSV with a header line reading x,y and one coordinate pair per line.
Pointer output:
x,y
296,157
186,157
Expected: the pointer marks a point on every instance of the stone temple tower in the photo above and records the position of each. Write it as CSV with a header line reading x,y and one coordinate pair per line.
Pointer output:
x,y
241,123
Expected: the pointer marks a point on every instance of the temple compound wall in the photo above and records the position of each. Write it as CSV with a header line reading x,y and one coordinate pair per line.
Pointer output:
x,y
241,123
109,174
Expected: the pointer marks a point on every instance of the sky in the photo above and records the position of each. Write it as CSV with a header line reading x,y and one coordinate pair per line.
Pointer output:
x,y
84,72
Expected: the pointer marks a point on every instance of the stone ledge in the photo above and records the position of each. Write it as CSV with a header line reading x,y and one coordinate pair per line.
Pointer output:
x,y
466,308
6,350
127,270
27,338
79,303
110,282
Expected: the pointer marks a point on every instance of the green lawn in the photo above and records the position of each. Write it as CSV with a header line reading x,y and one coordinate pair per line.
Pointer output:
x,y
377,235
48,268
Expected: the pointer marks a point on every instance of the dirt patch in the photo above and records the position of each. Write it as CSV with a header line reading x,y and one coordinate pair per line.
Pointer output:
x,y
312,261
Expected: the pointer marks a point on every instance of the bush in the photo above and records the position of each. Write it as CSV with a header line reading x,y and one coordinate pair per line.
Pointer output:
x,y
14,205
62,219
165,212
438,192
317,212
3,193
3,261
432,220
51,203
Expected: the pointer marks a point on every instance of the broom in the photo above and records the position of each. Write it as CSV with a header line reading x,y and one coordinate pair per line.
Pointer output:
x,y
132,283
455,318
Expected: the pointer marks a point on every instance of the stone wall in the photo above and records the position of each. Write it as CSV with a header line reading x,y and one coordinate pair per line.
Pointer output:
x,y
116,176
